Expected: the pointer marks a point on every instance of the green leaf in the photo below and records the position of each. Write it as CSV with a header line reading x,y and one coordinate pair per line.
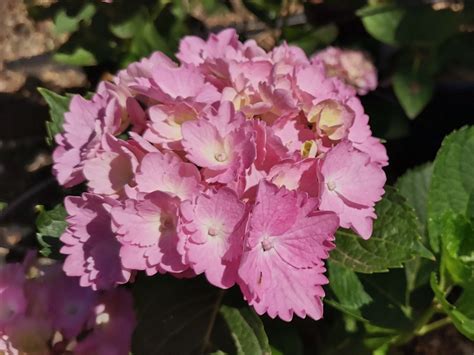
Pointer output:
x,y
309,38
382,21
58,105
414,89
425,26
458,248
50,225
63,23
174,316
452,183
461,321
414,186
3,205
131,26
284,340
347,287
396,239
246,330
78,57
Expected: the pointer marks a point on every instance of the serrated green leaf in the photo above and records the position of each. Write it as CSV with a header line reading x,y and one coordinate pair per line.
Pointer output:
x,y
382,21
452,183
246,330
347,287
50,225
58,105
458,248
414,186
414,90
78,57
396,239
173,316
461,321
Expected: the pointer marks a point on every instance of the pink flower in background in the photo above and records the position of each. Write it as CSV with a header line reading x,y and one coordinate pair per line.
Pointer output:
x,y
282,268
58,313
147,231
350,186
91,247
352,66
211,234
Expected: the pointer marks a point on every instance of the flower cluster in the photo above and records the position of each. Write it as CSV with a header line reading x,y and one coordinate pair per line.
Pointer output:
x,y
43,311
236,163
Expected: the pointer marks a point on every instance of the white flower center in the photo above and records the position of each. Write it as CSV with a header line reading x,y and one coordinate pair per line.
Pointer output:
x,y
331,185
267,244
212,232
220,157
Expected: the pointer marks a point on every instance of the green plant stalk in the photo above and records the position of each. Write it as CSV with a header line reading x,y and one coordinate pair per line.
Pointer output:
x,y
433,326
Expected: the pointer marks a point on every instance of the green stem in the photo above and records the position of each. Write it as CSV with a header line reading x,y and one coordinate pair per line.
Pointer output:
x,y
433,326
420,323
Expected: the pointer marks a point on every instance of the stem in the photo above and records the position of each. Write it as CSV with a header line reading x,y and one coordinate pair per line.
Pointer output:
x,y
420,323
433,326
212,320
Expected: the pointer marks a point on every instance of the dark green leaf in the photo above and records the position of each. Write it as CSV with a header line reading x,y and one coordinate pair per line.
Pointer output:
x,y
461,321
347,287
50,226
246,330
452,183
58,105
382,21
414,89
414,186
3,205
396,239
175,316
425,26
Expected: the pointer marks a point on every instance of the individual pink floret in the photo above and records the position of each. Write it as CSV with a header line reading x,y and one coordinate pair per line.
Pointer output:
x,y
147,231
222,144
167,172
211,234
90,245
282,268
350,186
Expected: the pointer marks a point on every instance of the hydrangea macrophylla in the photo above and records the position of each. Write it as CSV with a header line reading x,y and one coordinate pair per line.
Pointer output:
x,y
191,166
59,315
354,67
350,186
282,268
147,231
12,295
211,234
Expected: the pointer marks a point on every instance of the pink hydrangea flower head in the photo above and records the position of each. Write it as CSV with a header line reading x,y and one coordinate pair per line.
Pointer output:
x,y
91,247
13,302
211,233
352,66
146,228
281,271
222,144
350,186
167,172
